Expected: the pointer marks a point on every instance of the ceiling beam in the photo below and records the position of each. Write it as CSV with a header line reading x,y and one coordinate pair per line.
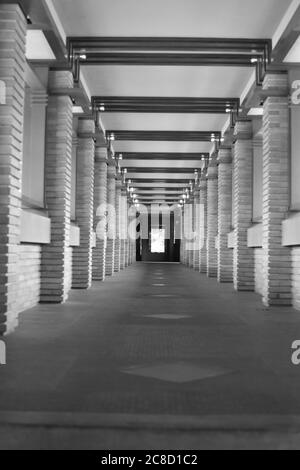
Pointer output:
x,y
167,136
142,169
288,39
165,105
161,156
164,51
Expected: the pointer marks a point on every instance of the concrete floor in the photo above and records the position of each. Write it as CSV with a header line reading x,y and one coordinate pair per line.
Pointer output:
x,y
157,357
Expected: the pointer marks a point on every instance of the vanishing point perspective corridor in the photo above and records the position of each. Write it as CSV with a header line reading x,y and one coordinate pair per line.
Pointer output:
x,y
149,227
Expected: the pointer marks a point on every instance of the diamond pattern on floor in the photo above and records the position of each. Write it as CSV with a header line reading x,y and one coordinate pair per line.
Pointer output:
x,y
177,372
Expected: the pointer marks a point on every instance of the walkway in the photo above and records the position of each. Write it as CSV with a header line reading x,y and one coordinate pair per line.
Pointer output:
x,y
157,357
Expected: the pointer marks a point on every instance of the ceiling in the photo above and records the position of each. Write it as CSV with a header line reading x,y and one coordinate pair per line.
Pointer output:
x,y
161,169
171,18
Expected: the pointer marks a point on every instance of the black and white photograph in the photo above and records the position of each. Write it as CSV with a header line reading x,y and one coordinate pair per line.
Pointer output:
x,y
149,228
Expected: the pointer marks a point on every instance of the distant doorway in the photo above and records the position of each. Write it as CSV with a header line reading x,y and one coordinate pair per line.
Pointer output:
x,y
160,246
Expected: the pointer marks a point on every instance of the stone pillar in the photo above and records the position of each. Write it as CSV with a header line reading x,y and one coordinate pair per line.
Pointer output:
x,y
225,254
212,217
243,265
203,223
111,218
277,288
197,212
56,268
12,98
100,217
82,255
117,254
123,228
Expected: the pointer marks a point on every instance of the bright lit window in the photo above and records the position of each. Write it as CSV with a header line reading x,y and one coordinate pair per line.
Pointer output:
x,y
158,240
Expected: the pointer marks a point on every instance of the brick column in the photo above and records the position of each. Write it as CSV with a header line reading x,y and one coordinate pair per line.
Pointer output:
x,y
133,245
182,241
225,255
132,236
100,218
203,223
197,209
12,76
276,191
111,202
212,217
127,254
117,254
56,268
186,234
82,255
193,240
123,228
243,264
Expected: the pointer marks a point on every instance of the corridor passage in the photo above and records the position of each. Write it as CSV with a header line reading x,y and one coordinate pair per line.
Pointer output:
x,y
153,358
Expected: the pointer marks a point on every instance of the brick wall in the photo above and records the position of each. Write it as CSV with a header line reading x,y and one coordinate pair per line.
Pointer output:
x,y
197,229
203,225
100,201
82,255
58,180
29,268
12,72
296,277
212,217
117,252
111,200
242,187
225,255
259,270
68,269
276,190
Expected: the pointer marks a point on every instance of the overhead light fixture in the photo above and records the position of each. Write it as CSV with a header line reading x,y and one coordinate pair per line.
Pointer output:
x,y
102,107
83,56
112,137
254,60
256,112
